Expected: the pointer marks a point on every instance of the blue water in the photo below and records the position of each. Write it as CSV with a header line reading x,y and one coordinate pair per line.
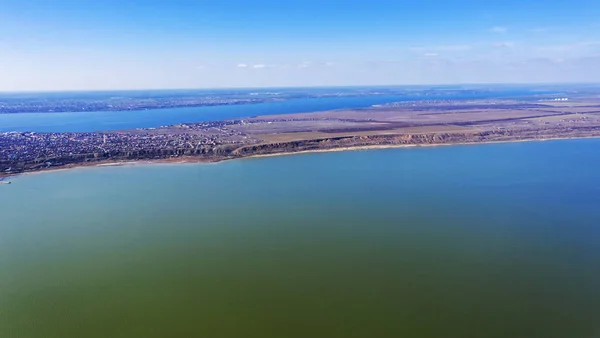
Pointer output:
x,y
489,241
120,120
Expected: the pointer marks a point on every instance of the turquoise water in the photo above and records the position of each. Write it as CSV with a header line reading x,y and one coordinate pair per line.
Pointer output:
x,y
464,241
121,120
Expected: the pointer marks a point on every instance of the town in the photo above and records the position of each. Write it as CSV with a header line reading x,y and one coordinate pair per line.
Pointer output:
x,y
25,151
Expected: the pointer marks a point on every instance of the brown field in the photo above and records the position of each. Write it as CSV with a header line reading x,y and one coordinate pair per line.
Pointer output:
x,y
299,136
431,120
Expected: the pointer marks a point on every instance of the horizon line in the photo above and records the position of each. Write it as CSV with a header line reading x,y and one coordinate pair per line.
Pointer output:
x,y
301,87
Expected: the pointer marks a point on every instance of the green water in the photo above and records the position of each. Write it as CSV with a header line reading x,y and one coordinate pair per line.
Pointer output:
x,y
468,241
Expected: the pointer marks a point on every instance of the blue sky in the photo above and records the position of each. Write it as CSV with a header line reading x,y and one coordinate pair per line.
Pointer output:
x,y
129,44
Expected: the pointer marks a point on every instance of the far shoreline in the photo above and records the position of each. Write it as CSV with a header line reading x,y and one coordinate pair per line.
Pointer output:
x,y
198,160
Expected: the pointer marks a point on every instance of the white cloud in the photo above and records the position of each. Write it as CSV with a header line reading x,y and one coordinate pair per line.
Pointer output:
x,y
430,54
576,46
442,48
503,44
200,67
499,29
305,64
263,66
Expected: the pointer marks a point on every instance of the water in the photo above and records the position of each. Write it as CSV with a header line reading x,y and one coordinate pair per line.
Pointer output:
x,y
463,241
121,120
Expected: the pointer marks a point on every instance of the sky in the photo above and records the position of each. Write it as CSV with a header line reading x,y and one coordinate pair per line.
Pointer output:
x,y
51,45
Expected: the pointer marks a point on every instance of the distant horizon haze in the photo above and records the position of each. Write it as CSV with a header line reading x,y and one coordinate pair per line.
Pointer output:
x,y
349,86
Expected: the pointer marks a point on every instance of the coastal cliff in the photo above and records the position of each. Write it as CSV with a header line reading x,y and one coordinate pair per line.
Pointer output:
x,y
232,151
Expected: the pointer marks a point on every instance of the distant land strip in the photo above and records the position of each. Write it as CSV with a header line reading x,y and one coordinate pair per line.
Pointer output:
x,y
384,126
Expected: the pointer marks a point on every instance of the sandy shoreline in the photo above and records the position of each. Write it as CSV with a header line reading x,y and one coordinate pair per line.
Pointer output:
x,y
196,160
395,146
100,164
